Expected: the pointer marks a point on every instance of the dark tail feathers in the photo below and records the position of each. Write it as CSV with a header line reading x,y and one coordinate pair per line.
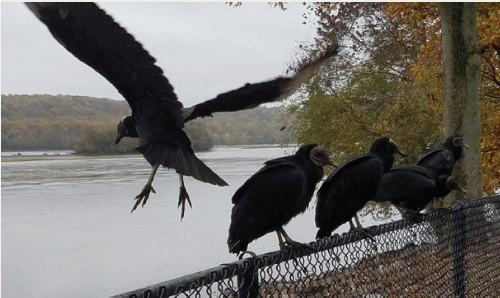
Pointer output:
x,y
183,161
198,170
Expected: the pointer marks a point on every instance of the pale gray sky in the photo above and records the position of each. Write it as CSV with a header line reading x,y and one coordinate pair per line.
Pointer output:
x,y
203,48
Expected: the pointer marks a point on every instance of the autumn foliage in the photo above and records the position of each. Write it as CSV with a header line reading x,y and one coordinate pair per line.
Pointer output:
x,y
392,81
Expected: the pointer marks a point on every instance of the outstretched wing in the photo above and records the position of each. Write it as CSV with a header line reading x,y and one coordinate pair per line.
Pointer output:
x,y
92,36
252,95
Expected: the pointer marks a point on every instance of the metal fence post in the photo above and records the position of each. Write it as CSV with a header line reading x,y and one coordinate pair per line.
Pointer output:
x,y
248,285
458,246
248,282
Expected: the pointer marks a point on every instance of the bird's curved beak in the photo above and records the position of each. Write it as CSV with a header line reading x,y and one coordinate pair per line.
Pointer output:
x,y
400,152
119,136
397,149
459,142
463,190
460,188
330,161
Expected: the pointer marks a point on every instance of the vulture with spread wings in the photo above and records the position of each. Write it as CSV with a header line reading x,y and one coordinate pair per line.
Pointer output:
x,y
158,118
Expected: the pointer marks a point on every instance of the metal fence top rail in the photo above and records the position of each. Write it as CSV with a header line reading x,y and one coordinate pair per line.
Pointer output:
x,y
248,265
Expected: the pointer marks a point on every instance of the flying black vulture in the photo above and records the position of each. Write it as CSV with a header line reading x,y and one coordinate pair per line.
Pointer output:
x,y
410,187
157,117
350,186
442,160
274,195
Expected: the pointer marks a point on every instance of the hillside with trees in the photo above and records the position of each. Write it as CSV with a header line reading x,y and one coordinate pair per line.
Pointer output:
x,y
88,125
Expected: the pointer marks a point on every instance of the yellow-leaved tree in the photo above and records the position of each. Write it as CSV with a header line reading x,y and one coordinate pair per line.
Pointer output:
x,y
388,80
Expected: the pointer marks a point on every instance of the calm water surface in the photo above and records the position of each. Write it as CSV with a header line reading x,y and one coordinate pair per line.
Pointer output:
x,y
67,230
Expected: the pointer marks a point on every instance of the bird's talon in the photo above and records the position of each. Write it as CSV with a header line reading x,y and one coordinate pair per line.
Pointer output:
x,y
183,197
142,197
295,245
365,233
136,204
145,200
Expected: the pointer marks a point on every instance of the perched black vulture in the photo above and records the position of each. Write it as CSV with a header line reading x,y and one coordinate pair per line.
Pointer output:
x,y
274,195
442,160
157,117
410,187
350,186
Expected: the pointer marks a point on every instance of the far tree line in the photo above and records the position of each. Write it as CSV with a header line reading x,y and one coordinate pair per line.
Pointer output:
x,y
88,125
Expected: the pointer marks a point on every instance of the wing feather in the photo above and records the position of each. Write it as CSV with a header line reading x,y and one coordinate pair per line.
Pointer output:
x,y
252,95
270,170
92,36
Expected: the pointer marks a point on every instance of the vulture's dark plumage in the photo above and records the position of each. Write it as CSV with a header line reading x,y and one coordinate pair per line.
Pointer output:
x,y
441,160
158,118
274,195
410,187
351,186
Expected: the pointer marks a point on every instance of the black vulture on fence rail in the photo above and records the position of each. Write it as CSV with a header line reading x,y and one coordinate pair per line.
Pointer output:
x,y
442,160
157,117
274,195
350,186
410,188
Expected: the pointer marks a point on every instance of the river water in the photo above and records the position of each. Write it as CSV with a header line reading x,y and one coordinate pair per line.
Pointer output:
x,y
67,230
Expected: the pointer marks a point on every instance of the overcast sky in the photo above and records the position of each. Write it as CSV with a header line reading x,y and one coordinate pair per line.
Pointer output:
x,y
203,48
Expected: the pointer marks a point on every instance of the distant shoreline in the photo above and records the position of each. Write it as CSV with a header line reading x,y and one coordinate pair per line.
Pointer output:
x,y
52,156
33,155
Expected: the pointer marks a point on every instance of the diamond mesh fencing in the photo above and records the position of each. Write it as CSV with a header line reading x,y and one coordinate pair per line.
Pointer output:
x,y
450,252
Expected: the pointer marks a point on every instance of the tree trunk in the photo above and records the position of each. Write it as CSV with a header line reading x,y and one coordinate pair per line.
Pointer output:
x,y
462,70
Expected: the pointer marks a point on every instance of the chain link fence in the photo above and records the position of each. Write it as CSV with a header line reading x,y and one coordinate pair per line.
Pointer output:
x,y
450,252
